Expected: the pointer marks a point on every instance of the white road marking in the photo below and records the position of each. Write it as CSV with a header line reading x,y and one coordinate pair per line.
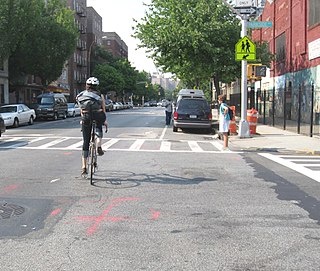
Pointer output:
x,y
136,145
55,180
194,146
296,167
52,143
75,145
163,133
217,145
165,146
111,142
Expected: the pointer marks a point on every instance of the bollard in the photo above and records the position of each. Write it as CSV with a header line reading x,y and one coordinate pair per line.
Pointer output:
x,y
252,118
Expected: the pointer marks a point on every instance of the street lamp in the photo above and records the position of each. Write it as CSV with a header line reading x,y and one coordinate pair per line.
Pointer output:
x,y
89,57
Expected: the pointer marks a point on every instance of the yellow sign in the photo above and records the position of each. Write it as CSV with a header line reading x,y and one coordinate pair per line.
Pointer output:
x,y
245,49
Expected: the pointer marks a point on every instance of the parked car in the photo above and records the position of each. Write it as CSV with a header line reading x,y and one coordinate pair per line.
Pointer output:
x,y
2,126
51,105
192,114
16,114
129,105
73,110
117,106
109,105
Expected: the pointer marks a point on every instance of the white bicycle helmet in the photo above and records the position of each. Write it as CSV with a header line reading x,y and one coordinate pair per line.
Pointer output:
x,y
93,81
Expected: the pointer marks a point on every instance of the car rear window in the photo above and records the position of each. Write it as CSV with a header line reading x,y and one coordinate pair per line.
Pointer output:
x,y
193,104
45,100
8,109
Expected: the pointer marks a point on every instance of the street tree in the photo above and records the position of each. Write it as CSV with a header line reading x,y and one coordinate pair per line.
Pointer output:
x,y
49,42
111,80
194,39
16,18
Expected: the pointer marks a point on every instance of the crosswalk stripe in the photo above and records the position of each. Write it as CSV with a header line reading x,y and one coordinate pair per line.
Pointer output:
x,y
217,145
136,145
52,143
194,146
313,174
108,144
165,146
75,143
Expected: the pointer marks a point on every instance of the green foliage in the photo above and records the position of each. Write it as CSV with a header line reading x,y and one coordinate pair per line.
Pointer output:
x,y
16,18
48,40
194,39
264,56
110,79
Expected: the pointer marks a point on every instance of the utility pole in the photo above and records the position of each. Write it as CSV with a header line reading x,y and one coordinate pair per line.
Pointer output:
x,y
243,9
244,130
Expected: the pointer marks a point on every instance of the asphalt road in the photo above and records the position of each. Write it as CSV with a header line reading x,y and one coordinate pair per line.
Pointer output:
x,y
161,201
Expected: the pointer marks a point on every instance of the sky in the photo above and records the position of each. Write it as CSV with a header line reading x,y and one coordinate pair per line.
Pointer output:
x,y
117,16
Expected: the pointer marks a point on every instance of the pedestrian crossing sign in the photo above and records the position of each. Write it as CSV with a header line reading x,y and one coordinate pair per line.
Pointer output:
x,y
245,49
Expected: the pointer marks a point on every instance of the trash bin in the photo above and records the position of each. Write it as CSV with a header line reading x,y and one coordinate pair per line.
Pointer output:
x,y
252,118
232,125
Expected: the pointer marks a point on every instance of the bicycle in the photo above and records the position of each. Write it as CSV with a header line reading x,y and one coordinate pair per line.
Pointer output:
x,y
92,160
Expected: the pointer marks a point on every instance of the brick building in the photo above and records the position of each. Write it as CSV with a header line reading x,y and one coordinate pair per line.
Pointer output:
x,y
115,45
293,80
94,34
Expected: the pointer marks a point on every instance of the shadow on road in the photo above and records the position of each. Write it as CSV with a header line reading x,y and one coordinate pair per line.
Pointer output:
x,y
127,179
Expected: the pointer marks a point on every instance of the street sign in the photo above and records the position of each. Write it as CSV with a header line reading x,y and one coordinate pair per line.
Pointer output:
x,y
246,11
244,3
259,24
245,49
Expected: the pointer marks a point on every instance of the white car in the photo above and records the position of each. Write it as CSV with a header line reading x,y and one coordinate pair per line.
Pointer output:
x,y
16,114
117,106
73,110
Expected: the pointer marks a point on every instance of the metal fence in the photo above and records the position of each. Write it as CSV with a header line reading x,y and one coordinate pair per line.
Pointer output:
x,y
296,110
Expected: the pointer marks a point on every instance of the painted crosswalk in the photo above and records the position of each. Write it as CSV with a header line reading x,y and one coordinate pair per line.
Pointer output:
x,y
112,144
305,164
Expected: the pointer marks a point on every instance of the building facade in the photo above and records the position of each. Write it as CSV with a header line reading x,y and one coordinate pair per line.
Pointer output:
x,y
115,45
77,65
292,84
94,34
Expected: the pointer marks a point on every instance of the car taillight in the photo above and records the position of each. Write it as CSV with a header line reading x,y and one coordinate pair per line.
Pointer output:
x,y
210,116
175,115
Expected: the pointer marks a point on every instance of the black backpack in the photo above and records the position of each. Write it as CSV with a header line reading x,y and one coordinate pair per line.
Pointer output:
x,y
230,113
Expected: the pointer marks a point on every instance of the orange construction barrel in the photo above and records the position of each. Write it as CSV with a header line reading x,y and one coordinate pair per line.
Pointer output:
x,y
252,118
232,125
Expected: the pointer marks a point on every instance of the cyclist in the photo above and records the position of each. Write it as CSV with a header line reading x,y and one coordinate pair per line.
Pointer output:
x,y
92,107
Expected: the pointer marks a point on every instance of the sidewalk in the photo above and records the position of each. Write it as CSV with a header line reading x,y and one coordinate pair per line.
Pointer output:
x,y
269,138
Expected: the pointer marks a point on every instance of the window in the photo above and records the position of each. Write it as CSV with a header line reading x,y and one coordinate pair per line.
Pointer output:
x,y
281,47
314,12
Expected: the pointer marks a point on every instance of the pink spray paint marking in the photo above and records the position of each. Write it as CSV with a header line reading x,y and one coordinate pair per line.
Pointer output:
x,y
155,214
104,216
9,188
55,212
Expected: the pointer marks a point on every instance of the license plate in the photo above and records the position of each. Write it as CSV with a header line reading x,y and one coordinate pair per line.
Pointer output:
x,y
193,116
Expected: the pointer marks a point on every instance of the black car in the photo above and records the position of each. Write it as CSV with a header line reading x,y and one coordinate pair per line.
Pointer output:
x,y
192,113
2,126
51,105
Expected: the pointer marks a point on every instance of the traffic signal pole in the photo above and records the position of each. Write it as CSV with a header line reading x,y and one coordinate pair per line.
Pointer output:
x,y
244,130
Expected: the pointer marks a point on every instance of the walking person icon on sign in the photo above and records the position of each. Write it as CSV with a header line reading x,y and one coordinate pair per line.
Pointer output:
x,y
247,46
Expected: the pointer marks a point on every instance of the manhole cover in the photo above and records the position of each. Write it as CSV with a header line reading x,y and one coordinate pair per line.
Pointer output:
x,y
9,210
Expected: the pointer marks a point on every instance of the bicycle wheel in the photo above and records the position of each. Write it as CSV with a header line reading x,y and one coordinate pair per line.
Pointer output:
x,y
92,161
